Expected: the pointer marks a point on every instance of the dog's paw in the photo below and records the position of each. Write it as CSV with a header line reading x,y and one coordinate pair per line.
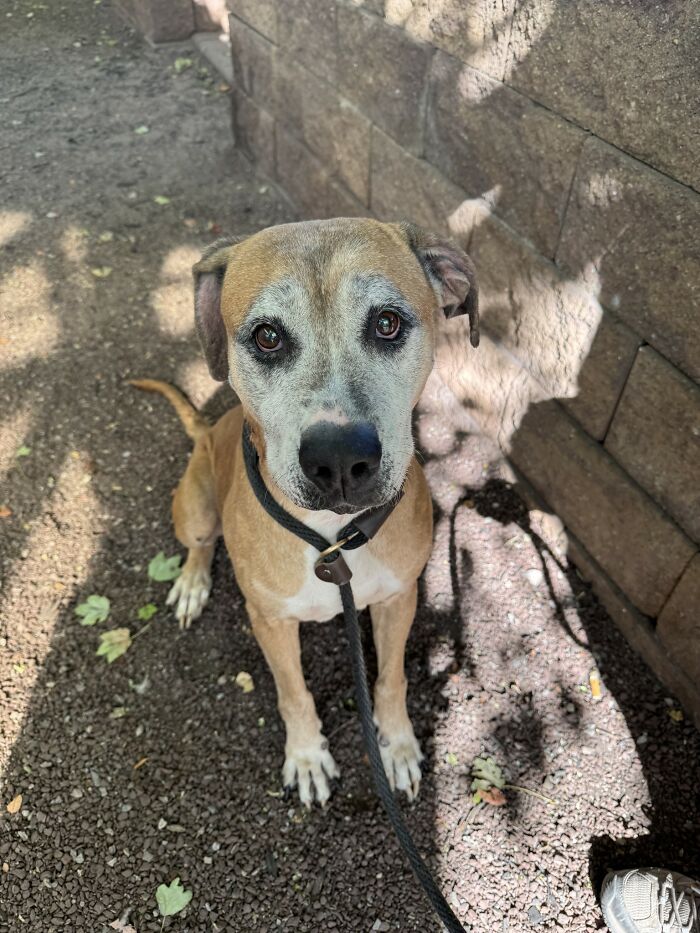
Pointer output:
x,y
401,756
309,768
189,595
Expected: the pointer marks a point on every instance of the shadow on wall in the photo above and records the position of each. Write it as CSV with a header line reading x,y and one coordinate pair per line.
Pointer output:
x,y
537,330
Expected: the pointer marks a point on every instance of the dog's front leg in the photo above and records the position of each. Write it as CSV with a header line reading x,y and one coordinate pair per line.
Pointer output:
x,y
307,763
401,754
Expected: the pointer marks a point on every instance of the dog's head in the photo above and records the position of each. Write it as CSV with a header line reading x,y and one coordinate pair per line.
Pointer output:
x,y
325,330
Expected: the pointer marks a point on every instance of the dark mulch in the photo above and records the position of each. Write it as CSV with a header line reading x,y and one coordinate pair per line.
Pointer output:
x,y
500,654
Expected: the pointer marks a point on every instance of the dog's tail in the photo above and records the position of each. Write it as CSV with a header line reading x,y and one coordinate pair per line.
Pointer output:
x,y
195,424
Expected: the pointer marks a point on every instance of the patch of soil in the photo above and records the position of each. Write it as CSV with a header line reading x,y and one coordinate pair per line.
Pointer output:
x,y
157,765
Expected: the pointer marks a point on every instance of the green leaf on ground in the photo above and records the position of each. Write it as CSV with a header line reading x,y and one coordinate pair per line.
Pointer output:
x,y
95,609
23,451
451,759
114,643
182,64
101,272
147,612
162,568
486,774
161,199
172,898
141,130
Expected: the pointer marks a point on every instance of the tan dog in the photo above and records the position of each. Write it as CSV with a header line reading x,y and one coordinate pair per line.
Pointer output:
x,y
325,330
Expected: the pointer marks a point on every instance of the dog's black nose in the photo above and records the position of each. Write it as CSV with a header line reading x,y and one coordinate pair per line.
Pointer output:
x,y
341,460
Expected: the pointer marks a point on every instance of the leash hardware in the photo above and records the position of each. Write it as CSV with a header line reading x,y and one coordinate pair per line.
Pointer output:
x,y
330,564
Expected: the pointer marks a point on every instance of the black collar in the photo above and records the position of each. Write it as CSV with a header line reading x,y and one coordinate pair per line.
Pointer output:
x,y
330,565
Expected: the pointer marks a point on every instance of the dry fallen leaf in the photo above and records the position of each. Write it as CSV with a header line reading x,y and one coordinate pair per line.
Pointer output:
x,y
5,511
245,682
494,796
15,805
122,927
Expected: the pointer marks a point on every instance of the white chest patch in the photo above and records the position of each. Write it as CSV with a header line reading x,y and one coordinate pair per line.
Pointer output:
x,y
318,601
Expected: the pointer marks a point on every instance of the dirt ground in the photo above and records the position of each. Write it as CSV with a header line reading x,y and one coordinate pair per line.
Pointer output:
x,y
158,766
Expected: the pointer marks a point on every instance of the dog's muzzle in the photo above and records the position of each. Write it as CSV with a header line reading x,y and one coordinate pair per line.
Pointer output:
x,y
342,461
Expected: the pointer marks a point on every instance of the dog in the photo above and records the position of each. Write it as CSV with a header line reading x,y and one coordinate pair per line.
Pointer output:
x,y
325,331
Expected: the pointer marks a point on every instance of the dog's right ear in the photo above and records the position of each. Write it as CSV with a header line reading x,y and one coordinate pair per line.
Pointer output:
x,y
209,275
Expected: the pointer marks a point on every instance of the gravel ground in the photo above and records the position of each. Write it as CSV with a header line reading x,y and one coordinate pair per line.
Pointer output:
x,y
158,765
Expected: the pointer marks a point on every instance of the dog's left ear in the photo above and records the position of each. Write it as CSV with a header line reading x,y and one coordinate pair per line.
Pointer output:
x,y
451,273
209,275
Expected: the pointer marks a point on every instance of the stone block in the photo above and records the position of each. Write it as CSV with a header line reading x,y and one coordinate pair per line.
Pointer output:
x,y
627,534
160,20
485,390
678,627
474,31
342,203
383,71
253,62
639,632
544,319
655,436
372,6
485,137
254,131
602,377
210,15
260,14
329,125
302,175
306,30
635,235
627,71
216,49
433,200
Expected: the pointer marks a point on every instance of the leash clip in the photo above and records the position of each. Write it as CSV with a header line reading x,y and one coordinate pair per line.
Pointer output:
x,y
330,564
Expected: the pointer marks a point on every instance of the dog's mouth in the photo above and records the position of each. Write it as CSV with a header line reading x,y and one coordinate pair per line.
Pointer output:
x,y
345,508
316,503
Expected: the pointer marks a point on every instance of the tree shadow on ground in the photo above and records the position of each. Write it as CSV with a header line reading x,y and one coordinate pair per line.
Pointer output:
x,y
669,758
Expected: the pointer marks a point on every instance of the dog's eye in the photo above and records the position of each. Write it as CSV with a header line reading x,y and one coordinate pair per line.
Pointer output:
x,y
388,325
267,338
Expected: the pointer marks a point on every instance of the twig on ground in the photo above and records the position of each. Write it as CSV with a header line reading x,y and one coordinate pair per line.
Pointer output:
x,y
533,793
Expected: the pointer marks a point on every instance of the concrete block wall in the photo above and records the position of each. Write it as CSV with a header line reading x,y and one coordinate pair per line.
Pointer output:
x,y
558,142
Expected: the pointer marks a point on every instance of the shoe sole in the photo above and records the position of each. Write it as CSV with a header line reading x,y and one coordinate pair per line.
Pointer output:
x,y
614,922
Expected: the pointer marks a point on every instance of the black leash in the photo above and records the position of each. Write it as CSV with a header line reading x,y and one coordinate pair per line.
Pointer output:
x,y
332,567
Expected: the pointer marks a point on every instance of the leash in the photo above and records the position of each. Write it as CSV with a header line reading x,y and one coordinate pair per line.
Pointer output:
x,y
331,567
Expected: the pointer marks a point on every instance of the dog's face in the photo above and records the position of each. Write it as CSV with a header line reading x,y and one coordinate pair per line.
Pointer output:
x,y
325,330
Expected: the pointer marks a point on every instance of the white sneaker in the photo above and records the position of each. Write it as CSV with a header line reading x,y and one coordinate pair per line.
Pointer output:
x,y
650,900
